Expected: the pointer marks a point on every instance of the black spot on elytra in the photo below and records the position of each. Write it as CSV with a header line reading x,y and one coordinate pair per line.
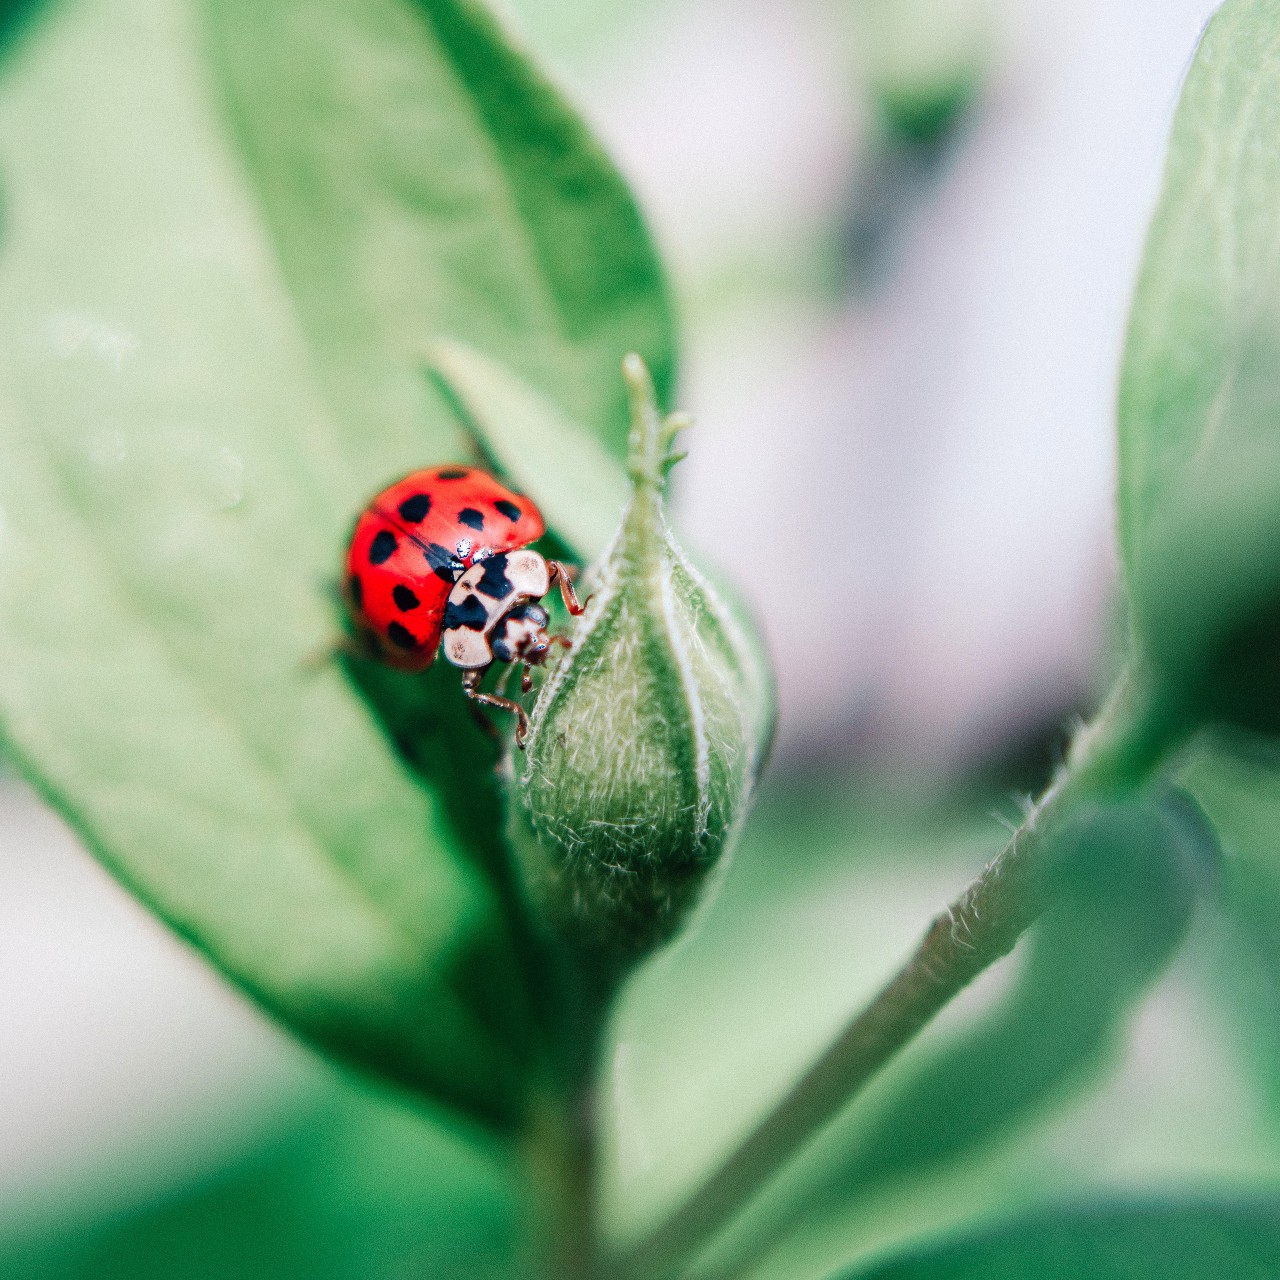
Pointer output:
x,y
382,547
453,473
508,509
355,589
470,614
404,598
415,508
401,636
472,518
442,561
494,582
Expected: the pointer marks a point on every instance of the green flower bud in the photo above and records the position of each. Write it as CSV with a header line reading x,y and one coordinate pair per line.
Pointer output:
x,y
647,737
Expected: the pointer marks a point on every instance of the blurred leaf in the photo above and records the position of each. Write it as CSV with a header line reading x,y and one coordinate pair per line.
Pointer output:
x,y
580,488
12,15
1240,792
201,380
925,60
827,889
1129,878
1169,1240
357,1188
1200,399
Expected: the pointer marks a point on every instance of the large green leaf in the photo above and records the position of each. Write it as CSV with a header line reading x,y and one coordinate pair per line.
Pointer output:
x,y
204,356
1200,393
1171,1240
421,180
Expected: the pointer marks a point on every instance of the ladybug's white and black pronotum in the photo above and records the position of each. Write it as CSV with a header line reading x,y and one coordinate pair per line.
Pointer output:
x,y
442,559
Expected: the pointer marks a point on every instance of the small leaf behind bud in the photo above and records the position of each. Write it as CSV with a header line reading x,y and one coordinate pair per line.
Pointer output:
x,y
646,739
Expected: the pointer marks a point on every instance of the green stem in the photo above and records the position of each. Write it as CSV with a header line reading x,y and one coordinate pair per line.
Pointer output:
x,y
576,1254
562,1144
1117,752
560,1160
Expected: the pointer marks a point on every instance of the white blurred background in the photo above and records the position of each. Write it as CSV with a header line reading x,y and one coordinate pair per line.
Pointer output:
x,y
906,463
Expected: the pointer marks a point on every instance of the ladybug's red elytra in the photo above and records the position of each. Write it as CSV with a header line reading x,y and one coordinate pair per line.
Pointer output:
x,y
442,557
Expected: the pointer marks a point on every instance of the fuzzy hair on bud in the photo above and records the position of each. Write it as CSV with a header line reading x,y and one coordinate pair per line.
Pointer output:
x,y
646,739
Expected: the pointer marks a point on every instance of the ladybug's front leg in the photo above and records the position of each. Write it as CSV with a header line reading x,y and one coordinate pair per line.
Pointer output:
x,y
470,681
563,575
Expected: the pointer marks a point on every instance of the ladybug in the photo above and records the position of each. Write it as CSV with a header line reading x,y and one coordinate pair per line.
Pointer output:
x,y
442,559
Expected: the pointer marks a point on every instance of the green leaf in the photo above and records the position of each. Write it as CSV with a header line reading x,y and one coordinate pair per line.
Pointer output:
x,y
12,15
580,488
1200,399
1240,792
209,357
1161,1240
355,1186
421,179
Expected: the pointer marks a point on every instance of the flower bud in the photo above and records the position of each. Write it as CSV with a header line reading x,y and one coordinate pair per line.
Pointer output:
x,y
646,738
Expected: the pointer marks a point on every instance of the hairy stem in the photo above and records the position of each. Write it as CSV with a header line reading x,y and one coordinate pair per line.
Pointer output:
x,y
1117,752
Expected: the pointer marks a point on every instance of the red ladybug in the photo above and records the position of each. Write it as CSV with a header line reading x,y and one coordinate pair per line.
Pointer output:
x,y
442,555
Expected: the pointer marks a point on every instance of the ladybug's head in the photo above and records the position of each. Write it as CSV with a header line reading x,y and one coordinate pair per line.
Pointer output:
x,y
521,636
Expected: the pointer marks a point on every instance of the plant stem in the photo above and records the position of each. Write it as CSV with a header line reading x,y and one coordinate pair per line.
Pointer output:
x,y
563,1135
1117,752
576,1251
560,1162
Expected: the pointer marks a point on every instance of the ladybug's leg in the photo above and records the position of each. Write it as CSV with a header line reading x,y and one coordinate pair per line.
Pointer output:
x,y
526,677
470,680
561,573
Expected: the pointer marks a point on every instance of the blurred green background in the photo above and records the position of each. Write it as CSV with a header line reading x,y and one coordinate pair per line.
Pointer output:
x,y
903,236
